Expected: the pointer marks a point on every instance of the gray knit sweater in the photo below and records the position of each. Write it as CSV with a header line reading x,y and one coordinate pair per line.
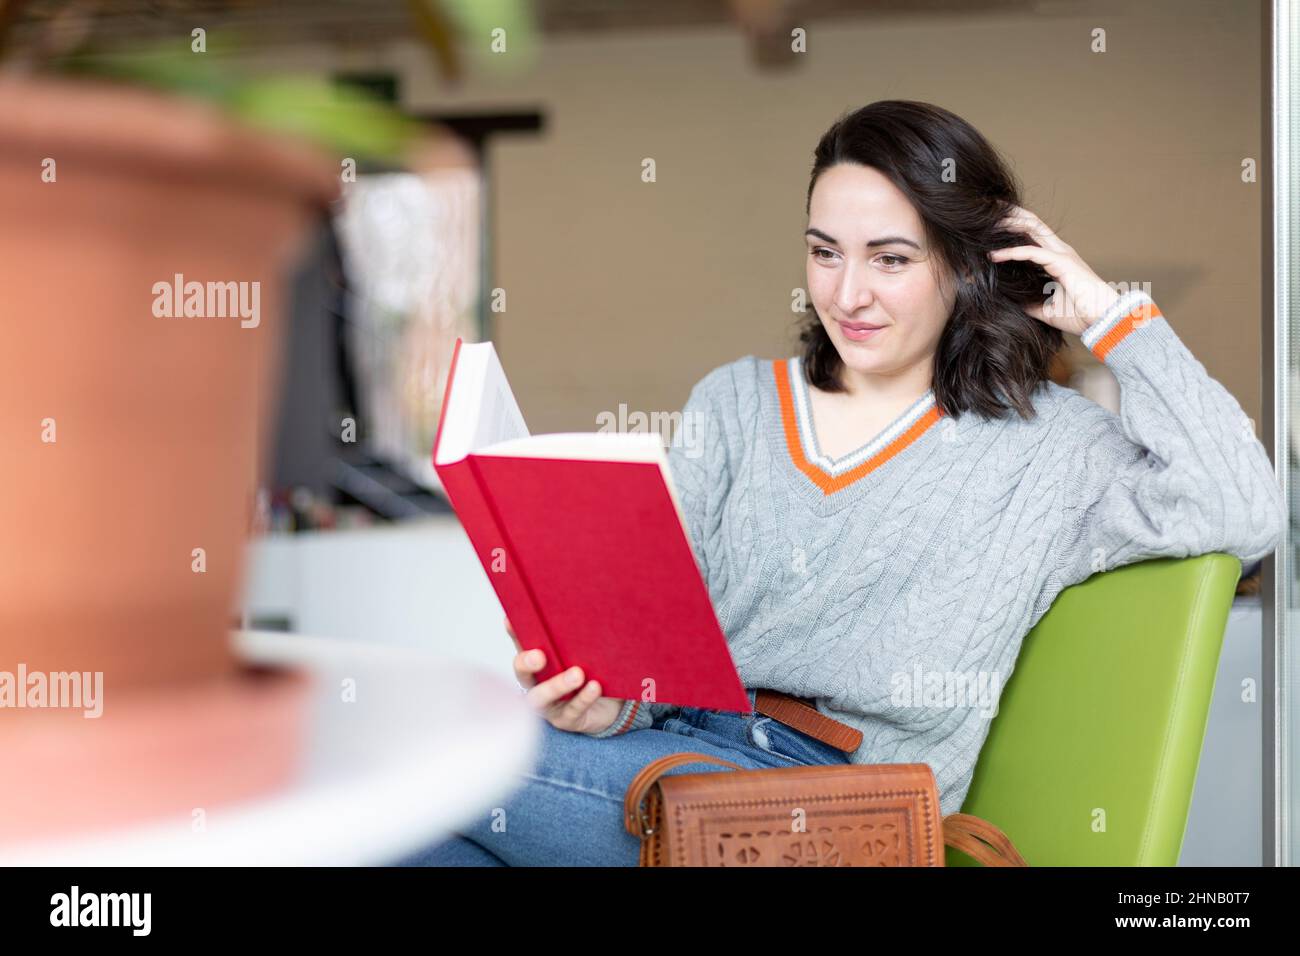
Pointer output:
x,y
896,584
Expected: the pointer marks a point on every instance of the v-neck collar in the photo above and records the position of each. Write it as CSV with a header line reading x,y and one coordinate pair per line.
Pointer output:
x,y
835,474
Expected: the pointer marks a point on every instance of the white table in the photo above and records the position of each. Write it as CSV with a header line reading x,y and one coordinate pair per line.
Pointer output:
x,y
428,744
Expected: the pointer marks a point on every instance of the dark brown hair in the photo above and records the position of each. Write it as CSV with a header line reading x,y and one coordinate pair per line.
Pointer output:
x,y
991,355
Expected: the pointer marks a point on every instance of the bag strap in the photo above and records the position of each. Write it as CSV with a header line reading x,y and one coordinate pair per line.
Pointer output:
x,y
980,840
633,810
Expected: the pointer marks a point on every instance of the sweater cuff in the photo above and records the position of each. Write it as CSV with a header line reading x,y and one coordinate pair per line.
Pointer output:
x,y
1114,332
631,716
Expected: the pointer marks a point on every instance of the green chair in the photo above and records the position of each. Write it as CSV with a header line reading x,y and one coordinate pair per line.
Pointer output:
x,y
1103,718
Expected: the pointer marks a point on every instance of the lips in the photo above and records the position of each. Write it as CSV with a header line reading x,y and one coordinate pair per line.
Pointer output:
x,y
860,331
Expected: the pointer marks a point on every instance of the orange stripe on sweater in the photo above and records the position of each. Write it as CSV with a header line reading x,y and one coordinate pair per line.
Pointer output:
x,y
1141,314
631,718
829,484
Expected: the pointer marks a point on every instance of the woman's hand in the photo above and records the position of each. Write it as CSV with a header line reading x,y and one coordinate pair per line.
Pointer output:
x,y
587,712
1080,297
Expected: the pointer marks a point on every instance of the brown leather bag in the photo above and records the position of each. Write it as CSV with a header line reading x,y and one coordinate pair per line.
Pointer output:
x,y
832,815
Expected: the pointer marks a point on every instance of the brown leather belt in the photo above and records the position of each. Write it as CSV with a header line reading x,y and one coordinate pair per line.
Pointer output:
x,y
803,715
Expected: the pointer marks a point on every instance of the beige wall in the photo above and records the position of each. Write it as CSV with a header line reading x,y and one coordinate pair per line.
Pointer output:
x,y
622,291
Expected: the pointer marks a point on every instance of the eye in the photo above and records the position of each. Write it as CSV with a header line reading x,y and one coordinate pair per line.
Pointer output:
x,y
896,260
817,249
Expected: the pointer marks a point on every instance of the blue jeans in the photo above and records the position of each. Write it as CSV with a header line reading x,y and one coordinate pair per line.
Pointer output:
x,y
568,810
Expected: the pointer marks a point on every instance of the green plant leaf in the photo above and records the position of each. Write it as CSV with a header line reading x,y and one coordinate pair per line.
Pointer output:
x,y
338,118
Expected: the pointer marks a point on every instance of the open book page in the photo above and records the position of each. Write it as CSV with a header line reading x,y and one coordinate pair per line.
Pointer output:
x,y
481,409
499,416
482,417
593,446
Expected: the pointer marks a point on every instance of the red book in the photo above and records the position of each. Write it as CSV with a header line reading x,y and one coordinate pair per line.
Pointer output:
x,y
582,537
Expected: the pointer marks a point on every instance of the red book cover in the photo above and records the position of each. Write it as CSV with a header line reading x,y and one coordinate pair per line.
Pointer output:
x,y
582,539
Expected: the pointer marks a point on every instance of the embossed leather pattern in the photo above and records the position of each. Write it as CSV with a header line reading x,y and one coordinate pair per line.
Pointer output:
x,y
833,815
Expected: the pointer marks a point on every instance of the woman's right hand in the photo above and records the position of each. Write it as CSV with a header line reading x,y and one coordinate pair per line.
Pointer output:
x,y
586,712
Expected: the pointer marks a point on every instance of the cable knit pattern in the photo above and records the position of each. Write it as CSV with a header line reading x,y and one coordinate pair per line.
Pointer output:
x,y
933,565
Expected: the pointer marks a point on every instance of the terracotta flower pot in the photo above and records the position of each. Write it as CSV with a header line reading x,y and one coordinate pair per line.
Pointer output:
x,y
130,439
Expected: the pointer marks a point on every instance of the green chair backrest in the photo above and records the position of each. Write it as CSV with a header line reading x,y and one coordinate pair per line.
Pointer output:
x,y
1092,755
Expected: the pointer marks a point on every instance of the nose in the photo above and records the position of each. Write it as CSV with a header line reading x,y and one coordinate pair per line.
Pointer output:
x,y
854,291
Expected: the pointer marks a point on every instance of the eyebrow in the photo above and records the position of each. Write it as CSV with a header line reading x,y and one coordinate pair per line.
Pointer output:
x,y
885,241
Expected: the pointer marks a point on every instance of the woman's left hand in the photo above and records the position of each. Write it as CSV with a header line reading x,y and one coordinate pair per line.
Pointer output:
x,y
1080,297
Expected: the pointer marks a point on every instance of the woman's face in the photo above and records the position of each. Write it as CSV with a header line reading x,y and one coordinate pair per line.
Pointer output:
x,y
871,275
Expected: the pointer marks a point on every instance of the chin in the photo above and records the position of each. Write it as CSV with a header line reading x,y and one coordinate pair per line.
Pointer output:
x,y
855,364
857,357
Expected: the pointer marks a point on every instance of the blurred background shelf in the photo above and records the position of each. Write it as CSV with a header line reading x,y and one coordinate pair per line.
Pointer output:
x,y
413,584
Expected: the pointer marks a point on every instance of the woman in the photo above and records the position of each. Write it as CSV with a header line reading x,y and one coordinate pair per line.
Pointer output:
x,y
882,518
